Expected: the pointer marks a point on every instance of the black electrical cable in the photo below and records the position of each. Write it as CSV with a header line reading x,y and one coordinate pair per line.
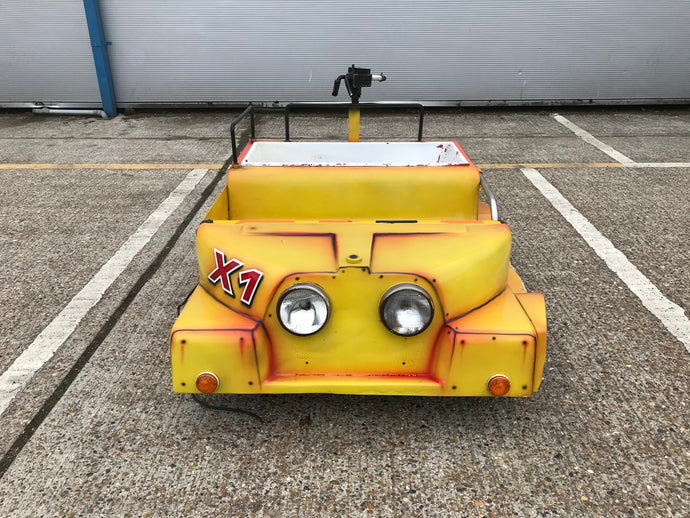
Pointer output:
x,y
195,397
204,404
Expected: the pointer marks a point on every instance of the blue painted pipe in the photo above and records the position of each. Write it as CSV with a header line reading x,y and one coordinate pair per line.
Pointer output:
x,y
100,56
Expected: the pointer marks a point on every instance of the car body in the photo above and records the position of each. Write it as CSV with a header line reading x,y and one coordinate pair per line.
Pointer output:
x,y
354,236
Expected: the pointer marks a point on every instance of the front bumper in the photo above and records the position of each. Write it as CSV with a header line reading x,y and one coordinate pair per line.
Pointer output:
x,y
506,336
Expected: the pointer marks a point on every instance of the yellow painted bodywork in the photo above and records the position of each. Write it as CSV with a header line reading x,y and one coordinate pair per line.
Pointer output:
x,y
275,220
351,193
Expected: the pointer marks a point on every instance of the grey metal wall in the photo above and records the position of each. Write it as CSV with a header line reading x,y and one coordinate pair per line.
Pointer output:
x,y
231,51
45,53
266,50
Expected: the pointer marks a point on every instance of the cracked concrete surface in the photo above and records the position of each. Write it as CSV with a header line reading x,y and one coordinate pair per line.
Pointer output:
x,y
606,435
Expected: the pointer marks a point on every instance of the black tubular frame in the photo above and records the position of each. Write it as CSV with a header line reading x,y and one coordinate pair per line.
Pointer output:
x,y
287,109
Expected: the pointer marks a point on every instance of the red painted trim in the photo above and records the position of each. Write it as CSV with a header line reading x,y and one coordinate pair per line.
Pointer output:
x,y
244,152
238,221
324,376
214,330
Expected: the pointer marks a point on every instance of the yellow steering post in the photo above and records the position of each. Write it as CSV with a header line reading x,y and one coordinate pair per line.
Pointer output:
x,y
355,80
353,125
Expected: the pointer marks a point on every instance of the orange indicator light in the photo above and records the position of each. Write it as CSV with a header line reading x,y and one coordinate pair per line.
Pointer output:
x,y
207,382
499,385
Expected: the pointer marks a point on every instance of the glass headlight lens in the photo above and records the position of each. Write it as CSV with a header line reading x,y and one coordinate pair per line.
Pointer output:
x,y
406,309
303,309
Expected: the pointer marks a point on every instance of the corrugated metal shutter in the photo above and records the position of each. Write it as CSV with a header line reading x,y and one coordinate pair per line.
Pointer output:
x,y
272,50
45,53
230,51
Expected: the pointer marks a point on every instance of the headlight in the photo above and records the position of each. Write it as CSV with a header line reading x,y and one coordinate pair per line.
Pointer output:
x,y
406,309
303,309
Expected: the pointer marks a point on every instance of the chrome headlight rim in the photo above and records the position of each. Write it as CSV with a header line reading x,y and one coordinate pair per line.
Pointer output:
x,y
397,289
304,286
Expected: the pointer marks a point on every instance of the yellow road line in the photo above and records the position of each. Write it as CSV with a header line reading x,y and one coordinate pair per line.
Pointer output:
x,y
111,166
563,165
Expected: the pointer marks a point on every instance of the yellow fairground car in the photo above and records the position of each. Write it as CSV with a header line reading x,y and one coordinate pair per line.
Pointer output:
x,y
357,268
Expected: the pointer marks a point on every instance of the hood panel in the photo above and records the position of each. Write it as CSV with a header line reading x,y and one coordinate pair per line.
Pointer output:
x,y
465,262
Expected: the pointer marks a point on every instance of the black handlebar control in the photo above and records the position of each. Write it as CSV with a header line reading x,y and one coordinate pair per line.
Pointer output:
x,y
355,80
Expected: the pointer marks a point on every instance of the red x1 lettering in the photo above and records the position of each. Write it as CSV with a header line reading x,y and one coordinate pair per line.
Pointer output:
x,y
223,271
252,278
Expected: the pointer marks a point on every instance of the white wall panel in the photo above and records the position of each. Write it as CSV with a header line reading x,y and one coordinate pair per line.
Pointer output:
x,y
271,50
45,53
231,51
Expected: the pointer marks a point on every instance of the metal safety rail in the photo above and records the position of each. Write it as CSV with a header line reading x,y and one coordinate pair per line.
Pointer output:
x,y
251,110
290,108
489,196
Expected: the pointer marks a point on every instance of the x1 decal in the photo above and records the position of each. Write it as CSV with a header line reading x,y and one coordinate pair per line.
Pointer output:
x,y
250,279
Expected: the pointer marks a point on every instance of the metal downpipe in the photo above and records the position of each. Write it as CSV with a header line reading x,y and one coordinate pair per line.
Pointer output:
x,y
99,47
64,111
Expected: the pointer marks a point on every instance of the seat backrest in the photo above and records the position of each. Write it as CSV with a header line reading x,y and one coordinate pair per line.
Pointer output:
x,y
372,193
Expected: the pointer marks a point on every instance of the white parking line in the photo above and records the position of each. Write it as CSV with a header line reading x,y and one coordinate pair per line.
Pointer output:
x,y
590,139
54,335
670,314
659,165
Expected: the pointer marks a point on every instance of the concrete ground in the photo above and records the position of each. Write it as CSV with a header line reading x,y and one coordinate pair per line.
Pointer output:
x,y
97,431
